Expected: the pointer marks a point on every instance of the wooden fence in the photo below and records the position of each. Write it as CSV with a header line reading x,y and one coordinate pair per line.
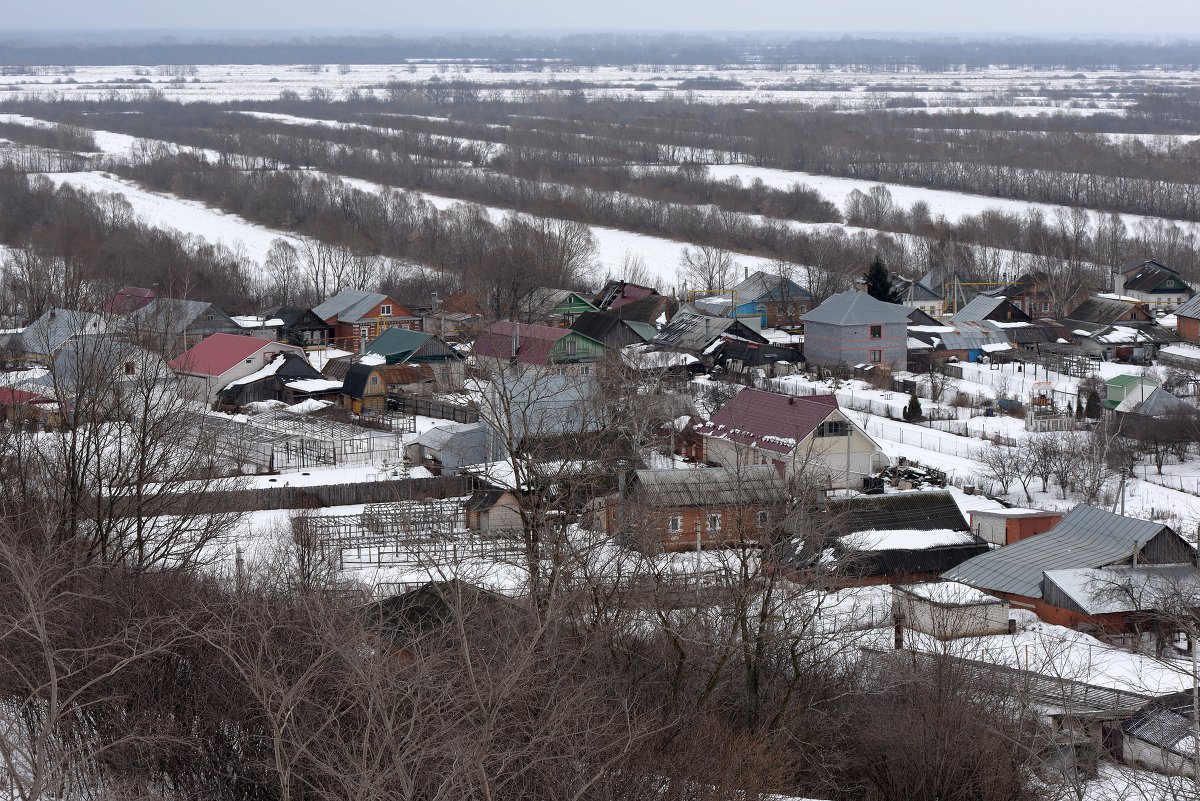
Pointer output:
x,y
428,407
315,497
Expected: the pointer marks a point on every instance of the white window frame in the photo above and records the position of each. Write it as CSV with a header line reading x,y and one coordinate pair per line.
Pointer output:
x,y
675,524
385,310
714,517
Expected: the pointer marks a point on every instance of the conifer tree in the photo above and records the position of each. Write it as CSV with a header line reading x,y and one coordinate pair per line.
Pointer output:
x,y
879,283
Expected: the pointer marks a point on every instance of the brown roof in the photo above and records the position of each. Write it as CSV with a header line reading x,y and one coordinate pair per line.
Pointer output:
x,y
775,422
534,342
397,374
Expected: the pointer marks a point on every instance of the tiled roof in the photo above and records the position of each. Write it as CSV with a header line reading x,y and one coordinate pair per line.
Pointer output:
x,y
774,422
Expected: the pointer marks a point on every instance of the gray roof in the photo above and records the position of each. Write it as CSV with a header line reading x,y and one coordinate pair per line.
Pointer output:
x,y
1086,537
1127,588
712,486
48,333
915,291
765,286
1159,403
692,331
856,308
349,305
103,358
169,315
979,308
1190,309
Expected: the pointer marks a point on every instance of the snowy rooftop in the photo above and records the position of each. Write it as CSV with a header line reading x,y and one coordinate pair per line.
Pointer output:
x,y
906,539
948,593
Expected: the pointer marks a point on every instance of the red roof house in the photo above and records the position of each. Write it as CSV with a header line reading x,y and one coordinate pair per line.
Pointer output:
x,y
220,359
801,436
129,300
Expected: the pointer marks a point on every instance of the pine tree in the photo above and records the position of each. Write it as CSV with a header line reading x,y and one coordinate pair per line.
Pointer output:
x,y
879,283
1092,410
912,412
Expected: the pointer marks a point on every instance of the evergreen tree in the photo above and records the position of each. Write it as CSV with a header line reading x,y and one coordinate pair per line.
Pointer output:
x,y
912,412
879,283
1092,410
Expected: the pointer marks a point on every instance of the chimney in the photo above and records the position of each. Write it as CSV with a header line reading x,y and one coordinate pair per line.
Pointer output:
x,y
516,339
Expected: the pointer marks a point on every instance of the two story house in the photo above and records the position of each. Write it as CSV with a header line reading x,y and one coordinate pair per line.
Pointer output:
x,y
852,328
358,316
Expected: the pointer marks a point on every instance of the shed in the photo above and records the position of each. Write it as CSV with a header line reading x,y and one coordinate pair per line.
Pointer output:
x,y
446,448
948,610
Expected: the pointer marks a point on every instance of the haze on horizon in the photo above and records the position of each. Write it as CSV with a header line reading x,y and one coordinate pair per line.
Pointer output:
x,y
1166,19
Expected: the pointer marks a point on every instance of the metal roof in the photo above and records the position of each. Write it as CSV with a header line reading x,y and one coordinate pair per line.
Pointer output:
x,y
48,333
349,305
901,510
856,308
765,286
769,420
692,331
1126,588
1086,537
711,486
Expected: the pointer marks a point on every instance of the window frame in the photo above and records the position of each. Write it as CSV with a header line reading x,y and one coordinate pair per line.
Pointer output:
x,y
875,332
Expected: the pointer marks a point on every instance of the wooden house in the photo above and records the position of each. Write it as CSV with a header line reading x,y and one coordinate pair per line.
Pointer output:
x,y
288,378
400,346
1153,283
364,389
553,307
358,316
612,330
538,345
1117,328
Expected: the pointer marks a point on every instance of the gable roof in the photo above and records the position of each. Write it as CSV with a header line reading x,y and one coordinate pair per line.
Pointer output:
x,y
1086,537
597,325
616,294
922,510
1159,403
774,422
51,331
174,316
856,308
398,344
1135,266
694,331
710,486
129,299
981,306
1097,312
294,315
350,305
761,285
1191,309
915,291
534,342
541,301
648,309
217,353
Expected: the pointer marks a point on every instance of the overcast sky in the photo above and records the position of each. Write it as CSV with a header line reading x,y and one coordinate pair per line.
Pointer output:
x,y
1164,18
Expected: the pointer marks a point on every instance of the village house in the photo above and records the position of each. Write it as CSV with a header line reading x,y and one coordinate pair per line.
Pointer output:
x,y
917,295
364,388
358,316
399,346
853,328
995,314
1048,573
694,332
288,378
26,407
562,349
1153,283
1116,328
617,293
175,325
1032,294
300,326
774,301
1187,320
553,307
128,300
221,359
692,509
45,336
804,438
613,330
493,510
457,318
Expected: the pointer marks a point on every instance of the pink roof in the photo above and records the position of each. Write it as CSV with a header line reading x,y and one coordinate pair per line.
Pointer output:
x,y
10,396
630,293
219,352
130,299
534,342
775,422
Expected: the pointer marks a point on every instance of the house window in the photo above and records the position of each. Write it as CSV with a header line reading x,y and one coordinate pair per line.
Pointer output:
x,y
585,369
385,310
364,331
714,521
1045,307
877,332
675,524
876,356
764,517
572,346
833,428
374,380
129,368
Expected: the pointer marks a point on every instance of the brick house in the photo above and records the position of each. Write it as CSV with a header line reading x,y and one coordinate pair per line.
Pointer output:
x,y
805,437
1188,320
854,328
358,317
682,510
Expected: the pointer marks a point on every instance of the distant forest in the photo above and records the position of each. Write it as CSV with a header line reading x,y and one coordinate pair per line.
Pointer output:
x,y
555,52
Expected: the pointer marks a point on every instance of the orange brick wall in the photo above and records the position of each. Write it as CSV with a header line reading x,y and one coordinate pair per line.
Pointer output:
x,y
1189,329
1020,528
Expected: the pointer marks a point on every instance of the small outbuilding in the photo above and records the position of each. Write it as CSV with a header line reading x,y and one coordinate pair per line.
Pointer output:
x,y
948,610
